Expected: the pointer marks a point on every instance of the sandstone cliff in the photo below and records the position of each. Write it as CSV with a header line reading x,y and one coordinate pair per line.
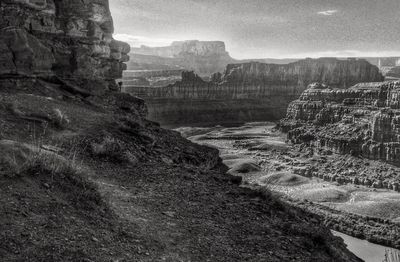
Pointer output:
x,y
65,42
178,48
248,92
362,120
203,57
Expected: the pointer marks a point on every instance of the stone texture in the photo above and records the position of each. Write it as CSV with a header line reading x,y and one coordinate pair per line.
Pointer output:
x,y
362,120
249,91
69,40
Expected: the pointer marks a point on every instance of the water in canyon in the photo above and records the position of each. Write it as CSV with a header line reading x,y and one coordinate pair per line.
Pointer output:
x,y
259,154
365,250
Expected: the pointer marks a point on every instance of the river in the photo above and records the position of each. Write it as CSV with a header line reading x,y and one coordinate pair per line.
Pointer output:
x,y
260,155
365,250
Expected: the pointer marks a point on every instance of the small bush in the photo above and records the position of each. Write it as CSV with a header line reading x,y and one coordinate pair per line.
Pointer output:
x,y
60,119
108,147
113,149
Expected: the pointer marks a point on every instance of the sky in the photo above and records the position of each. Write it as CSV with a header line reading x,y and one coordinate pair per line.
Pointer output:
x,y
265,28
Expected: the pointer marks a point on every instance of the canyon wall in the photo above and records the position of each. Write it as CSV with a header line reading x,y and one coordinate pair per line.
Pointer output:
x,y
363,120
68,43
249,91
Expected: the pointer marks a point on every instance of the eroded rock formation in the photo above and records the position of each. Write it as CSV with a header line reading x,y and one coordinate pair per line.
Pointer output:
x,y
363,120
67,42
204,57
249,91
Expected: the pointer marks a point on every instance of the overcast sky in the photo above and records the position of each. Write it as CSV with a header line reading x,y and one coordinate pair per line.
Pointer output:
x,y
265,28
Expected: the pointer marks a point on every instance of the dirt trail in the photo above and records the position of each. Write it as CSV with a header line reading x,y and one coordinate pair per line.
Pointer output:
x,y
189,215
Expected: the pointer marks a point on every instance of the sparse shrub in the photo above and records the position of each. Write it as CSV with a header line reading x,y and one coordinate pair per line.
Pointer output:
x,y
131,158
108,147
60,119
113,149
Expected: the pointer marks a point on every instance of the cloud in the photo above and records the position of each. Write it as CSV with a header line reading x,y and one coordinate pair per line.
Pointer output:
x,y
328,12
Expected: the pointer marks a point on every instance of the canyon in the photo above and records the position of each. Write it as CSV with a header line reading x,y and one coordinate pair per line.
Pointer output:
x,y
84,176
249,91
301,174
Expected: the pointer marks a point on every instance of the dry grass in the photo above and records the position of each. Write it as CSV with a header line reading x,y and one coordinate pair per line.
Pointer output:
x,y
65,173
59,119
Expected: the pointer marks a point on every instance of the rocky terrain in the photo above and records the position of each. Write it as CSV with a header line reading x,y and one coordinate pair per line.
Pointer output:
x,y
204,57
248,92
302,176
85,177
358,123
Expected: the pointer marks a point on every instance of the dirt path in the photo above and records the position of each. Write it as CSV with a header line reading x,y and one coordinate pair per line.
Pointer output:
x,y
200,216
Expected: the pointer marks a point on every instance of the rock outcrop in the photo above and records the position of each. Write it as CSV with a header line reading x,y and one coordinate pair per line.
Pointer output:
x,y
363,120
64,42
248,92
203,57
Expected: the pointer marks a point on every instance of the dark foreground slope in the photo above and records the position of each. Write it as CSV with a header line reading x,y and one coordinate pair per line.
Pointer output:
x,y
107,185
84,177
248,91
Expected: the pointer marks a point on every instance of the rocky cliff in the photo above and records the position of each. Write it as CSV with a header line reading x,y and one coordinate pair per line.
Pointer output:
x,y
203,57
248,92
65,42
362,120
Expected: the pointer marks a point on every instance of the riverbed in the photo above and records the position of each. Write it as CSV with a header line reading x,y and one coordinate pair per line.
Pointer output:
x,y
260,155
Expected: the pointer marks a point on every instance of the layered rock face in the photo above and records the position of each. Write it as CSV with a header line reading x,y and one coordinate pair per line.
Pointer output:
x,y
203,57
248,92
67,42
178,48
363,120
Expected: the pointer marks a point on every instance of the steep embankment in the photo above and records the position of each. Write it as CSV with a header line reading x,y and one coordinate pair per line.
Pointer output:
x,y
85,177
248,92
